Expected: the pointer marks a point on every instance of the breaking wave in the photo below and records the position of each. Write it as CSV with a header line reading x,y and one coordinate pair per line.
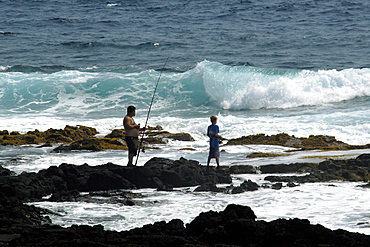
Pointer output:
x,y
104,91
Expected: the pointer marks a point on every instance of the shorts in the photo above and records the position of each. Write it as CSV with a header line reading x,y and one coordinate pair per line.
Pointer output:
x,y
132,144
214,152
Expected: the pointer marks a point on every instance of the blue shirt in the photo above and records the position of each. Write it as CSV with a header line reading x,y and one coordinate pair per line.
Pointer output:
x,y
211,131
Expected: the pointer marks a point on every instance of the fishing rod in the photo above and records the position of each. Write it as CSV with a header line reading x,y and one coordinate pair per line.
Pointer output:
x,y
150,108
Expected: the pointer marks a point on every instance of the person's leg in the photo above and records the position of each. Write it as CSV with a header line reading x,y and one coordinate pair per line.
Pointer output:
x,y
132,149
208,161
130,159
209,157
218,161
217,156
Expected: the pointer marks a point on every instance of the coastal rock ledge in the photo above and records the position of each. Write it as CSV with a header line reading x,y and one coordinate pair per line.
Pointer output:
x,y
235,226
25,225
66,179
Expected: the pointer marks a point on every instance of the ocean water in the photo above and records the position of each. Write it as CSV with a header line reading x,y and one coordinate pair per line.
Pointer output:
x,y
261,66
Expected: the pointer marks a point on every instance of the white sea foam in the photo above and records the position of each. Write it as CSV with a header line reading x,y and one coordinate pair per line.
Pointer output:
x,y
3,68
112,4
317,202
254,88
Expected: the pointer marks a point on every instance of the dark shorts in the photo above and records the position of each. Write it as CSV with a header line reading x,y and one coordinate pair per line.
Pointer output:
x,y
132,144
214,152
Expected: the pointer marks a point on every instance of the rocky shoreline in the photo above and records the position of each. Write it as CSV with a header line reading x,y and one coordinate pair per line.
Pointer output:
x,y
84,138
235,226
24,225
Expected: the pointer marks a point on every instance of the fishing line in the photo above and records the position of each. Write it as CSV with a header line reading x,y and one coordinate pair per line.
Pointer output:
x,y
150,108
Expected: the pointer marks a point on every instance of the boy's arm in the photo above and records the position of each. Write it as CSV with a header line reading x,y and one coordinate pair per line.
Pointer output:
x,y
217,135
209,133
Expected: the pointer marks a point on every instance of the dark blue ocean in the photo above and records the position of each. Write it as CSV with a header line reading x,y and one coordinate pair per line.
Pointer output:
x,y
261,66
57,35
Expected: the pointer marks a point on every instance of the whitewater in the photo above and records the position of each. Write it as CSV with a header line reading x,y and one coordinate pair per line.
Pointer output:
x,y
248,100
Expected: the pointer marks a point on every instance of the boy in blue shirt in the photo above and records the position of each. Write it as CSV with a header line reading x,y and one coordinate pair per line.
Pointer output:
x,y
214,138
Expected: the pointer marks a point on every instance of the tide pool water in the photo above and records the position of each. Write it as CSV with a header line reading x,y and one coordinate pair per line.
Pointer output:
x,y
317,202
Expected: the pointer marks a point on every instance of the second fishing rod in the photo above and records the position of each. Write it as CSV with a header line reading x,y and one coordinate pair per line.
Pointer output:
x,y
150,108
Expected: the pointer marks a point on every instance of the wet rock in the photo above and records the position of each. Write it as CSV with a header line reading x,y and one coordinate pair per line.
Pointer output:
x,y
5,172
277,186
47,144
237,225
156,173
290,168
237,190
208,187
283,139
85,144
64,196
249,185
354,170
68,134
279,139
15,218
58,138
165,187
366,185
4,132
245,186
264,155
110,196
290,184
243,169
364,157
116,133
183,172
173,136
92,144
74,138
154,135
179,137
